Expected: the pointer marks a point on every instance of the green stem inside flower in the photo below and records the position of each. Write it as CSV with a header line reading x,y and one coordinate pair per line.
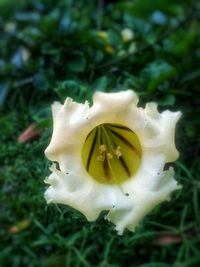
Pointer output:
x,y
111,153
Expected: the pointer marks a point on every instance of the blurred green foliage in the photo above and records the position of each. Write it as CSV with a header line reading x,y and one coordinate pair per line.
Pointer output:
x,y
53,49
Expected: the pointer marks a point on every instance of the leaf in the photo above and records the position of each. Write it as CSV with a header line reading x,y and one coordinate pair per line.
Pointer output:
x,y
144,8
138,24
190,129
55,260
20,226
44,123
167,100
67,88
4,88
191,76
77,62
40,81
7,6
40,114
17,59
28,16
168,239
157,72
49,49
159,17
100,84
30,133
114,38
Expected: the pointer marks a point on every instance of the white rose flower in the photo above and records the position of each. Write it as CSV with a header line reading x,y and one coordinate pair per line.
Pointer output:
x,y
111,157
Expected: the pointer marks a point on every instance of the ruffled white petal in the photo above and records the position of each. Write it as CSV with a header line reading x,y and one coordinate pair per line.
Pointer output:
x,y
166,122
72,185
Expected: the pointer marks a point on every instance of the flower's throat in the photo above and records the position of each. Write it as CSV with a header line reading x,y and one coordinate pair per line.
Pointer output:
x,y
111,153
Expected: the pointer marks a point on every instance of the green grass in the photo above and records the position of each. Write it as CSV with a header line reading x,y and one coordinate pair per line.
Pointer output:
x,y
73,62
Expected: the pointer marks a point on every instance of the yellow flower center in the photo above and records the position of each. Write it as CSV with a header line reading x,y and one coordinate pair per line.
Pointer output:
x,y
111,153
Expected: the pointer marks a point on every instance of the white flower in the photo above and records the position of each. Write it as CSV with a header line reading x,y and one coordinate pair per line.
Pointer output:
x,y
111,157
127,35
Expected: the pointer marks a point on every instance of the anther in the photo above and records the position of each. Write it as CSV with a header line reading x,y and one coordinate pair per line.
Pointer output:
x,y
109,155
102,148
101,157
118,152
